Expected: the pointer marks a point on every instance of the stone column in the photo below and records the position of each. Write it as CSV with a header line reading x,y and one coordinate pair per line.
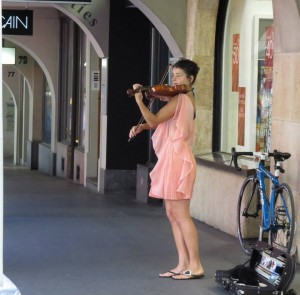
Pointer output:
x,y
286,92
201,30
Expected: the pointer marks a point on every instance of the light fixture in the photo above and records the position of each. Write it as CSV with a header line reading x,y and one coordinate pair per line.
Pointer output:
x,y
8,55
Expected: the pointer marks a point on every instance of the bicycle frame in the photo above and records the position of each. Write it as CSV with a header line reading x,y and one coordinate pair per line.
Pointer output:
x,y
274,210
268,204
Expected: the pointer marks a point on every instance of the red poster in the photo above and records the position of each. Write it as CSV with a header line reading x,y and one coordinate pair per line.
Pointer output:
x,y
241,116
269,46
235,62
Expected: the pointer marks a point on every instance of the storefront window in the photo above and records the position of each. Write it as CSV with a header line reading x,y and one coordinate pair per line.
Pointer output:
x,y
247,76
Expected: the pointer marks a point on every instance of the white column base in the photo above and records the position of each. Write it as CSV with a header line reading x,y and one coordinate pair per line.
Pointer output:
x,y
8,287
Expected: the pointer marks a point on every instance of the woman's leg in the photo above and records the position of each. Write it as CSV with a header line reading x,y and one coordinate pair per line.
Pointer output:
x,y
183,257
181,213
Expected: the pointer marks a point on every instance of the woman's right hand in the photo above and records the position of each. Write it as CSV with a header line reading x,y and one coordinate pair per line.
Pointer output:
x,y
135,130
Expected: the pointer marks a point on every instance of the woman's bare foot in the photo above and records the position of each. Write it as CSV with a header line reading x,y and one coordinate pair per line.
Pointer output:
x,y
168,274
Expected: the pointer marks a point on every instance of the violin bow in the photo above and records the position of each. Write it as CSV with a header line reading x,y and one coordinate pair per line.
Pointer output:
x,y
142,119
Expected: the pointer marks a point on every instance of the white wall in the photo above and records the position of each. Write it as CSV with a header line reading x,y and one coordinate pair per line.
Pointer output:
x,y
43,46
93,101
8,123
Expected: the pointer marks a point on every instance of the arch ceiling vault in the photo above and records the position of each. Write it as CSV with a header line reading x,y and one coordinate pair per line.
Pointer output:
x,y
94,20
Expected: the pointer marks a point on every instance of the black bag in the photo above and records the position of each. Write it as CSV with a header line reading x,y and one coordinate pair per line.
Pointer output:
x,y
268,272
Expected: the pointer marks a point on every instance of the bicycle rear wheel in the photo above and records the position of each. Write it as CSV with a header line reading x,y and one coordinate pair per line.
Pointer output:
x,y
283,228
249,215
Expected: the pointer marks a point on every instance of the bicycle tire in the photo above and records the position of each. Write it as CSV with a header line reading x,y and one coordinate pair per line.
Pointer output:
x,y
283,228
249,215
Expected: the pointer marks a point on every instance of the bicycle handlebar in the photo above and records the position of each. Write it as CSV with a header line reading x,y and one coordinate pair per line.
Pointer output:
x,y
278,156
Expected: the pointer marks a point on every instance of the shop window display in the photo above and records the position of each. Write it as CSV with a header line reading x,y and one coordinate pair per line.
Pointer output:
x,y
246,119
264,83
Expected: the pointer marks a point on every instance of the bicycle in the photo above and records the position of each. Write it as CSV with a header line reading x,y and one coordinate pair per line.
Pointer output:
x,y
272,218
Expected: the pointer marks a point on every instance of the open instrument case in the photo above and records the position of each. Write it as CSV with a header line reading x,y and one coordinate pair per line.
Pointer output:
x,y
269,271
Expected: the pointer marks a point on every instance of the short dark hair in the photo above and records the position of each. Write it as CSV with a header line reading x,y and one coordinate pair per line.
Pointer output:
x,y
189,66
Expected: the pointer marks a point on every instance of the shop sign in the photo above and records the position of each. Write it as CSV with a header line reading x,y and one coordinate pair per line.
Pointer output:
x,y
17,22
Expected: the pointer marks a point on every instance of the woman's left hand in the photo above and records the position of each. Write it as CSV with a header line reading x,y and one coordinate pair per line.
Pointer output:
x,y
138,96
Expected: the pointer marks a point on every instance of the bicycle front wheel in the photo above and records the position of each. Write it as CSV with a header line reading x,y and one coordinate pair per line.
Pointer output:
x,y
283,227
249,215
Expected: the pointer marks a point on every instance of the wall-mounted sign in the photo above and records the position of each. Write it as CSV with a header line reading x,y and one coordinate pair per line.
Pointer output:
x,y
95,81
54,1
17,22
269,46
235,62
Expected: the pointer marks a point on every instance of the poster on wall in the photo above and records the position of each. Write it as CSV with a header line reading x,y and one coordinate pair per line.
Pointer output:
x,y
235,62
265,96
241,116
269,46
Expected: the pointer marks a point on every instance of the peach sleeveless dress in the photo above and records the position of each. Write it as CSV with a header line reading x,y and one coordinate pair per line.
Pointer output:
x,y
174,174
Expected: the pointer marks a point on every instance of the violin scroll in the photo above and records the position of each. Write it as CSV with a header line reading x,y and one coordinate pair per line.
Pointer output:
x,y
132,92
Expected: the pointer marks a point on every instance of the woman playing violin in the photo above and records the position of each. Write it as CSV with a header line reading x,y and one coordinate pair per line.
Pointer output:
x,y
173,176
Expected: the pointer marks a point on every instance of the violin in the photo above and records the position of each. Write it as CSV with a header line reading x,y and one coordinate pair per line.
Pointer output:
x,y
161,91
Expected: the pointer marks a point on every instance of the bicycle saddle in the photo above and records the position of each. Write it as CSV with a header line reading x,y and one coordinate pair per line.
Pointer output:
x,y
279,156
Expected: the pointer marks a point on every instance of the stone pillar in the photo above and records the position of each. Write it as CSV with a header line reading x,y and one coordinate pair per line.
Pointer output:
x,y
201,30
286,93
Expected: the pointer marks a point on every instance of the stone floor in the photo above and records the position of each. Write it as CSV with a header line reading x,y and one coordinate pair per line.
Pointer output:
x,y
63,239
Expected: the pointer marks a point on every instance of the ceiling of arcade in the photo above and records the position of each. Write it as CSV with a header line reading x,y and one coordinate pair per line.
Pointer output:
x,y
168,16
